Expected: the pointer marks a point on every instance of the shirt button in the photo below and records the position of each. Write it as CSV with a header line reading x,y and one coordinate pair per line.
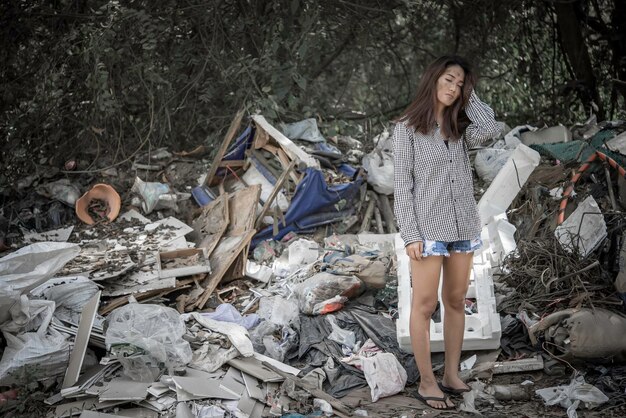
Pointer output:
x,y
453,181
450,160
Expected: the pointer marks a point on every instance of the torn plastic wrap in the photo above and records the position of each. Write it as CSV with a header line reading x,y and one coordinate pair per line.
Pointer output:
x,y
228,313
317,294
70,294
155,331
31,356
572,395
30,266
29,315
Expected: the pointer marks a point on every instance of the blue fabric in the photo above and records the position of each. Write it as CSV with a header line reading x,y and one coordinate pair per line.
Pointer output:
x,y
347,170
237,150
314,203
444,248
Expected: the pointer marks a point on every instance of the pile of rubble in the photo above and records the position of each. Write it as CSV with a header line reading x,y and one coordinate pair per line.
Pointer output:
x,y
278,283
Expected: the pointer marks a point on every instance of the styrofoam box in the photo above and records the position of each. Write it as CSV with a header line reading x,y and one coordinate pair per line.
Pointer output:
x,y
482,329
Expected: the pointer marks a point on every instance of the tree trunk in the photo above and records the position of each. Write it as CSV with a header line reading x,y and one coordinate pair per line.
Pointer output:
x,y
575,49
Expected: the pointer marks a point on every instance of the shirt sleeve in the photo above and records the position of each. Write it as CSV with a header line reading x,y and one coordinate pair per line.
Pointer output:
x,y
483,125
403,182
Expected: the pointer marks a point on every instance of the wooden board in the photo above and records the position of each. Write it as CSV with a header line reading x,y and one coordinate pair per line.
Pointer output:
x,y
212,223
232,130
221,259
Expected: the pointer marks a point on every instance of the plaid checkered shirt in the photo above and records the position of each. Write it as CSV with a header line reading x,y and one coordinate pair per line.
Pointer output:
x,y
433,186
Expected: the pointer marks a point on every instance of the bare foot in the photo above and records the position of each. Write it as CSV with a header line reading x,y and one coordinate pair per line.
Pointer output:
x,y
432,391
453,382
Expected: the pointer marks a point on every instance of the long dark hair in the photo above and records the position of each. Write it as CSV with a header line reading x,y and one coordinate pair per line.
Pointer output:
x,y
420,115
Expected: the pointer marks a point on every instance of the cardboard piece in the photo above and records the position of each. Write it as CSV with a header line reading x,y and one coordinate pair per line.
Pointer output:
x,y
189,388
124,389
584,229
255,368
200,266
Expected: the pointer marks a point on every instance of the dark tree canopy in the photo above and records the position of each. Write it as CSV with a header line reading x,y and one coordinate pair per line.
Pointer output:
x,y
108,78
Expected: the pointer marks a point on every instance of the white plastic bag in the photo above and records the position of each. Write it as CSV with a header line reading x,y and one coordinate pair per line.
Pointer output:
x,y
384,374
379,165
489,162
302,252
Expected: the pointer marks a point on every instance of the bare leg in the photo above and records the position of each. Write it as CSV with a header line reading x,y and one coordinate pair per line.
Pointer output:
x,y
456,274
425,279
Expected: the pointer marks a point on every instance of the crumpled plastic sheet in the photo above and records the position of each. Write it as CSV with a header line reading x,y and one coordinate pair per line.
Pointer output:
x,y
29,315
156,329
490,161
228,313
259,332
31,356
70,294
382,331
207,411
379,165
322,287
572,395
339,335
384,374
279,310
30,266
211,357
237,334
305,130
278,348
316,350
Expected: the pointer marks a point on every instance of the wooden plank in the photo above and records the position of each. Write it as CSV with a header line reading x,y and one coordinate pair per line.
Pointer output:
x,y
230,134
232,163
212,223
284,159
292,150
221,259
123,300
272,196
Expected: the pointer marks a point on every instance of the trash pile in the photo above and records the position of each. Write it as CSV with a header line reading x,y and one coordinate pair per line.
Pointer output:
x,y
273,283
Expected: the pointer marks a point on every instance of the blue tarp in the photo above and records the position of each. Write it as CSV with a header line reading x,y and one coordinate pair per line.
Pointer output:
x,y
237,150
314,203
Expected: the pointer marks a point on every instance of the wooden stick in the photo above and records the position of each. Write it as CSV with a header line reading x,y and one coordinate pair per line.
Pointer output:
x,y
365,226
272,196
379,220
337,405
385,208
609,185
232,130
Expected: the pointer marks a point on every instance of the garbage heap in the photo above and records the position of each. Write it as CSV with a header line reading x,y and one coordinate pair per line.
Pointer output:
x,y
266,281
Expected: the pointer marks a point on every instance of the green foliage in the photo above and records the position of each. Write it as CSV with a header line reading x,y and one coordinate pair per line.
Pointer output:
x,y
102,79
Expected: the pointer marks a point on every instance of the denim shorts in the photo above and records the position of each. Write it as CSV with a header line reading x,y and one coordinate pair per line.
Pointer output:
x,y
445,248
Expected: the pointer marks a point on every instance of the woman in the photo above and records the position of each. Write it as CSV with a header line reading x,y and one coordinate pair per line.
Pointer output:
x,y
436,210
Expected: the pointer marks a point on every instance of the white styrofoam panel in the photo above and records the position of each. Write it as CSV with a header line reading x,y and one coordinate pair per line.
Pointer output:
x,y
482,329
